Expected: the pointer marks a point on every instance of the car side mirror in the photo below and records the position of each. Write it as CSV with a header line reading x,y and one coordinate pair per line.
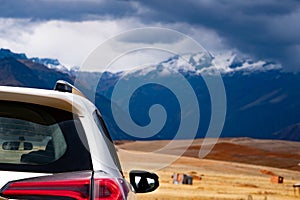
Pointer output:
x,y
143,181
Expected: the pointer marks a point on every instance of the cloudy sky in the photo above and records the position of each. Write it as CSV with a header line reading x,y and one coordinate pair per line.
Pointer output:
x,y
70,29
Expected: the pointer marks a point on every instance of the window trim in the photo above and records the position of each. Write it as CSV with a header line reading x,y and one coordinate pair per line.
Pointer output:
x,y
105,133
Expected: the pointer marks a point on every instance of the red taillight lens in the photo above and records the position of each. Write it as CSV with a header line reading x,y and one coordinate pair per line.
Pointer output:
x,y
107,189
104,189
76,189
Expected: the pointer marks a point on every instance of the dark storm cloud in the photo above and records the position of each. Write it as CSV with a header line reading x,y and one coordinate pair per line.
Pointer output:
x,y
150,37
267,29
71,10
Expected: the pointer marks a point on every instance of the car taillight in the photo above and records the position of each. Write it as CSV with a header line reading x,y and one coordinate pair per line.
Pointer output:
x,y
76,189
103,189
107,189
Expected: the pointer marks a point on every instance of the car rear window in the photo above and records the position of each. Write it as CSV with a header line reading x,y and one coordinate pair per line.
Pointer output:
x,y
41,139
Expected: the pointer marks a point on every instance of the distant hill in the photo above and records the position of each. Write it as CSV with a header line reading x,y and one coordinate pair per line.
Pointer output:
x,y
262,100
18,70
277,154
6,53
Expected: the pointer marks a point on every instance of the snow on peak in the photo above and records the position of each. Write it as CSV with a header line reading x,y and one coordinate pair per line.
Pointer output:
x,y
199,63
188,62
231,62
51,64
205,63
224,63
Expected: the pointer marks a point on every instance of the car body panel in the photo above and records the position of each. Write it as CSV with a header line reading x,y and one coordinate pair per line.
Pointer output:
x,y
90,132
51,98
71,103
7,176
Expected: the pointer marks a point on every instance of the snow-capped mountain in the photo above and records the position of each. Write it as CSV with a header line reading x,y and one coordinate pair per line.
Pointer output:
x,y
227,63
263,101
50,63
17,69
223,63
259,95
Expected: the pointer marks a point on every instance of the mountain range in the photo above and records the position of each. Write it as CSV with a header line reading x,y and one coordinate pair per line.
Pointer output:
x,y
263,101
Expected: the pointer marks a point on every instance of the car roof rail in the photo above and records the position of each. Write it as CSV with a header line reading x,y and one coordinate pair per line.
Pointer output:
x,y
64,86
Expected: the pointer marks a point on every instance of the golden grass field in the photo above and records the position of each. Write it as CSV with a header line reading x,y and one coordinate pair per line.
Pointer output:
x,y
225,173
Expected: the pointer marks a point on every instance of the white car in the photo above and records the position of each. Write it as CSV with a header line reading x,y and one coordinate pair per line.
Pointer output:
x,y
54,144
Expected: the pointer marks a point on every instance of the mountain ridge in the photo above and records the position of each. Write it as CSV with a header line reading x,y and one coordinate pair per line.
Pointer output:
x,y
262,100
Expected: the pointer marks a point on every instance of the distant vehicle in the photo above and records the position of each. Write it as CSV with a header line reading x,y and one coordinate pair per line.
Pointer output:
x,y
54,144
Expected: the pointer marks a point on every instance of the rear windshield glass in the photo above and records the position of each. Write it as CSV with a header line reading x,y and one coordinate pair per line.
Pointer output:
x,y
23,141
40,138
